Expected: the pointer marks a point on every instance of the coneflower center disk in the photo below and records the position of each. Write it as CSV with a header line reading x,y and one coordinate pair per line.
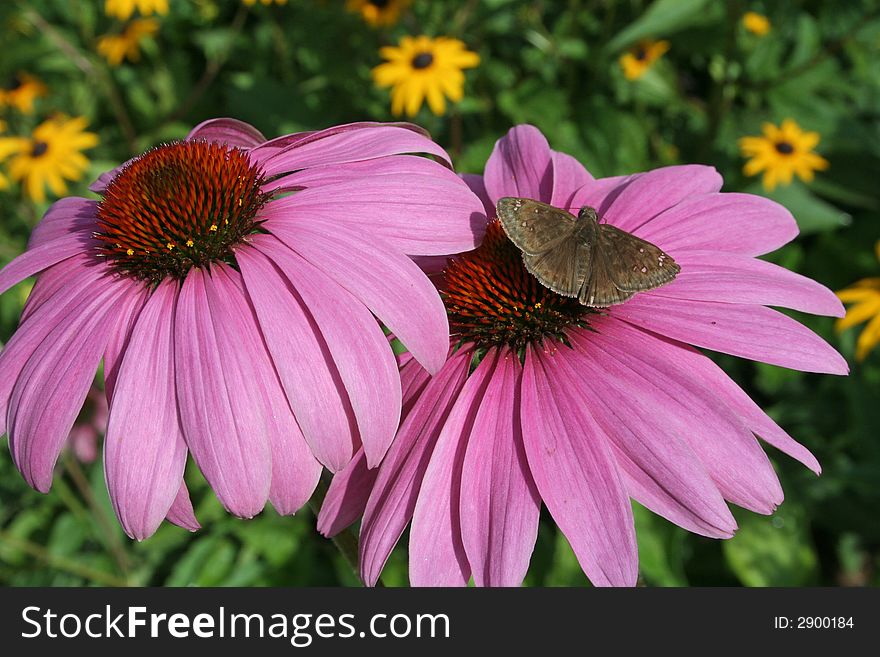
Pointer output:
x,y
178,206
492,300
784,148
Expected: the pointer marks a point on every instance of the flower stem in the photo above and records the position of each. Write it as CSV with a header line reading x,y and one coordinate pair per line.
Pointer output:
x,y
117,551
345,541
59,562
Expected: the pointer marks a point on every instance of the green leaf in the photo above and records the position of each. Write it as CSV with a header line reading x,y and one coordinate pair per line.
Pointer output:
x,y
774,551
812,214
664,17
661,549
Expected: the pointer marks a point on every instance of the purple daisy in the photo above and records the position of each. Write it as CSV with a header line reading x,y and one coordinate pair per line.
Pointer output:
x,y
583,409
231,286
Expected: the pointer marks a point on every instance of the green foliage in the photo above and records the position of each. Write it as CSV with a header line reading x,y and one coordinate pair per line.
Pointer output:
x,y
307,65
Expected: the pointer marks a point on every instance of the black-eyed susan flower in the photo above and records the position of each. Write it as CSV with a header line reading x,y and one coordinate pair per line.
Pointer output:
x,y
21,91
123,9
422,67
51,155
865,297
756,23
378,12
127,44
638,59
782,152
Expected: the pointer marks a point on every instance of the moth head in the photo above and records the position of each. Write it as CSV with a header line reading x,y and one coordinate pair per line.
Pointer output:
x,y
587,212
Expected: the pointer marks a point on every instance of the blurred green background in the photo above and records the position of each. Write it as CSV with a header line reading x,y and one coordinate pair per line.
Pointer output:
x,y
306,64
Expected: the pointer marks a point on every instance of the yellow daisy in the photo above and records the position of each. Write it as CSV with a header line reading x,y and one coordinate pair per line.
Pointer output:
x,y
51,155
782,152
116,47
251,3
21,92
756,23
123,9
422,67
638,59
378,12
866,296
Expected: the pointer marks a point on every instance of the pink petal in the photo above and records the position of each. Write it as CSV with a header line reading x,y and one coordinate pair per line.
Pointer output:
x,y
144,451
705,374
285,142
366,143
683,408
644,488
41,257
295,470
103,181
69,215
227,131
599,194
476,185
58,277
357,345
55,307
397,167
569,175
181,512
436,552
348,493
218,362
749,331
397,487
499,504
54,382
413,380
347,496
655,458
738,223
650,193
388,283
520,165
417,213
735,278
573,468
120,333
302,359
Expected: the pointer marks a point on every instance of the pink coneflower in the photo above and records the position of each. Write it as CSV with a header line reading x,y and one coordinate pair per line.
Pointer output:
x,y
583,409
230,285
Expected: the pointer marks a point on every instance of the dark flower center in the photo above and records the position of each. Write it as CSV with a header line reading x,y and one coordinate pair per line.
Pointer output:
x,y
640,53
784,148
39,149
15,82
422,60
379,4
492,300
178,206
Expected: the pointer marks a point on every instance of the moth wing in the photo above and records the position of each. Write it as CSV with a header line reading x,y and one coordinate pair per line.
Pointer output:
x,y
633,264
534,227
599,289
563,268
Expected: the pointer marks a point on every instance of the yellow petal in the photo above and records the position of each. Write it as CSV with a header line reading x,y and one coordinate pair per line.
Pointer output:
x,y
868,338
859,313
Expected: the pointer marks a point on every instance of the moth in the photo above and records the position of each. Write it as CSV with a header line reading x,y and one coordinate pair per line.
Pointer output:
x,y
599,264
